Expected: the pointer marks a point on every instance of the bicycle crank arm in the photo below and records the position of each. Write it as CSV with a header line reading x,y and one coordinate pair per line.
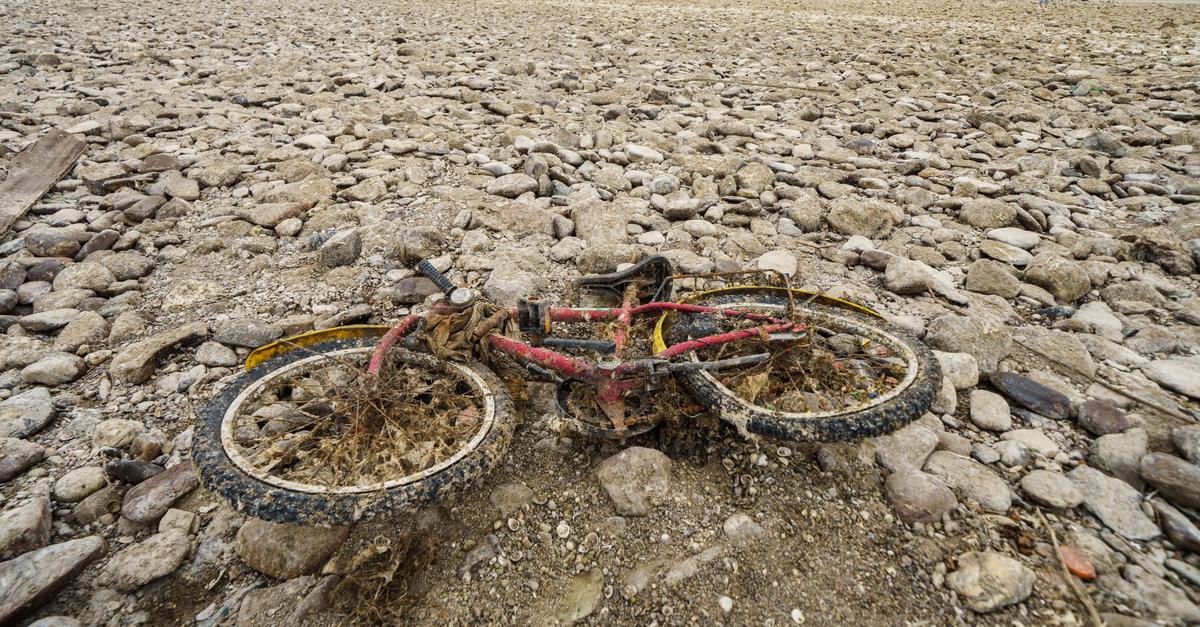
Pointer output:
x,y
543,375
653,366
603,347
689,366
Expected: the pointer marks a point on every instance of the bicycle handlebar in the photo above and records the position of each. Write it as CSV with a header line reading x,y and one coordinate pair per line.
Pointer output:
x,y
438,278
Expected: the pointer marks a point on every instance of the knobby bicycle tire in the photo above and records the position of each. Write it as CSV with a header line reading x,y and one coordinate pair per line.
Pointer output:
x,y
253,496
898,410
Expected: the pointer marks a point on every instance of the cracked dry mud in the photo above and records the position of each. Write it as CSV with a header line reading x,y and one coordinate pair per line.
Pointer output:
x,y
1016,185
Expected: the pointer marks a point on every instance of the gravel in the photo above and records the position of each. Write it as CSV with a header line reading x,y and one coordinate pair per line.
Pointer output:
x,y
1032,215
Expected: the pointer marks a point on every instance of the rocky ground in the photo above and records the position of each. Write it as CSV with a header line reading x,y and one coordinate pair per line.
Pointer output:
x,y
1016,186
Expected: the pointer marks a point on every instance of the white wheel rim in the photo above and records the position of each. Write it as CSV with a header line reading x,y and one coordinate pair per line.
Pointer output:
x,y
229,442
892,342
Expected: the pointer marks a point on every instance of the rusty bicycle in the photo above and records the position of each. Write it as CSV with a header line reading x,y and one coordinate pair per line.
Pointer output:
x,y
348,423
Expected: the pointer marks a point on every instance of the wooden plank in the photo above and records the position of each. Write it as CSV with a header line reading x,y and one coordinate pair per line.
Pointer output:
x,y
34,170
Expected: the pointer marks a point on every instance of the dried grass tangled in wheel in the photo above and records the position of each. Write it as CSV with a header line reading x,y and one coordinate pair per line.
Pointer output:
x,y
818,370
339,426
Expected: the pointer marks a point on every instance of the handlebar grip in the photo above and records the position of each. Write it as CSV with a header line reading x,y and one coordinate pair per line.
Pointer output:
x,y
438,278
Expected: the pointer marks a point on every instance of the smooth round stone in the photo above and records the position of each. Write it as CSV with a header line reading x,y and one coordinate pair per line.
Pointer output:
x,y
1051,489
79,483
1013,236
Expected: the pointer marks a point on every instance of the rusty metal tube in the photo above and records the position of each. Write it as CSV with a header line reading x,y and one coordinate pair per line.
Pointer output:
x,y
389,340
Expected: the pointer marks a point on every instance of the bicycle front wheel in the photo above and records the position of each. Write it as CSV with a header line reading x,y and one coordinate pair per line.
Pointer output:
x,y
309,436
839,375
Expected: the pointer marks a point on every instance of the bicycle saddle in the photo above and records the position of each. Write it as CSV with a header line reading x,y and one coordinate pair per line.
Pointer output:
x,y
654,272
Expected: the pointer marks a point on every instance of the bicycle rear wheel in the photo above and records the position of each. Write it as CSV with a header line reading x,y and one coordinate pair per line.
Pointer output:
x,y
844,376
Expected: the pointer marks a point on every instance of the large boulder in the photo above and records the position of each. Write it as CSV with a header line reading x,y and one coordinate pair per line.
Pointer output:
x,y
1032,395
918,496
136,362
988,580
1115,503
599,222
1161,245
1174,478
971,480
32,579
1181,374
986,340
247,332
88,275
507,284
287,551
25,527
856,216
905,449
149,500
1120,455
1051,489
155,557
17,456
1066,280
987,213
992,277
635,479
24,414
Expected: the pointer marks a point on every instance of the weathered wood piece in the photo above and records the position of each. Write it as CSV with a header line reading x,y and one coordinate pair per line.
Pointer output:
x,y
34,170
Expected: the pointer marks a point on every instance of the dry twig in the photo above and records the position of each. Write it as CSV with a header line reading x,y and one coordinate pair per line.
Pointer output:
x,y
1066,572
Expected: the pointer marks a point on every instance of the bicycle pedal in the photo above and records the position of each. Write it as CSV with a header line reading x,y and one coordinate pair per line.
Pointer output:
x,y
541,374
533,317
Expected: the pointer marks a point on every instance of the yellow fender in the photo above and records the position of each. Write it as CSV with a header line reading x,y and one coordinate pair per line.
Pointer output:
x,y
658,344
288,344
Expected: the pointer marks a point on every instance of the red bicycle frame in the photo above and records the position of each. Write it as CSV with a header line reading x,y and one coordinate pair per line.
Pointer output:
x,y
611,381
